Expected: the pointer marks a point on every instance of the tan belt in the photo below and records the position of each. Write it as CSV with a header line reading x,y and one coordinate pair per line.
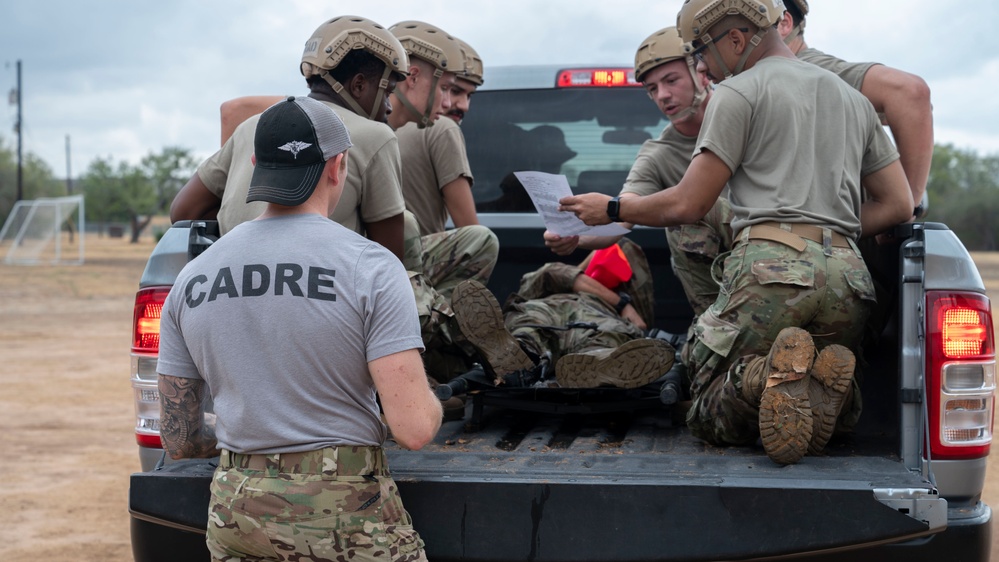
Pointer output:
x,y
793,235
330,462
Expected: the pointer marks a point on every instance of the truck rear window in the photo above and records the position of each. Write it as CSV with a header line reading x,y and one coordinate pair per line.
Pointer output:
x,y
591,135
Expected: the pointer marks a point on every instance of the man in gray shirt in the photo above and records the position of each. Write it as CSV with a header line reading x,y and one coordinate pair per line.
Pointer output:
x,y
297,327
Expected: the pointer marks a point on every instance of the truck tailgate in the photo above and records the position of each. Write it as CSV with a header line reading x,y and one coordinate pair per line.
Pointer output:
x,y
635,487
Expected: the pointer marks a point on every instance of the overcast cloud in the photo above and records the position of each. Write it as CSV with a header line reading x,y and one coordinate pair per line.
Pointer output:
x,y
123,78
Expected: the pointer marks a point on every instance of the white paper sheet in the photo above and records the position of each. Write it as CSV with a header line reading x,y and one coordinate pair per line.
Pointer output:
x,y
545,191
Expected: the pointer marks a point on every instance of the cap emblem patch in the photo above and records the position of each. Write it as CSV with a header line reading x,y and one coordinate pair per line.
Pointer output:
x,y
294,147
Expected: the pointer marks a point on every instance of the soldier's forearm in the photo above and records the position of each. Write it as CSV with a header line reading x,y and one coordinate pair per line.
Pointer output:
x,y
183,428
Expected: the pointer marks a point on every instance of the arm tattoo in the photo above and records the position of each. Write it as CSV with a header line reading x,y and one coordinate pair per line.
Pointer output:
x,y
183,429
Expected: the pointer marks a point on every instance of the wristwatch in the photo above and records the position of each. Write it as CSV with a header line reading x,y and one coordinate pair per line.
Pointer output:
x,y
624,299
613,208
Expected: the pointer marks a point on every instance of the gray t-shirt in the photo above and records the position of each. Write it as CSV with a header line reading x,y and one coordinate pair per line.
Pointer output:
x,y
280,318
372,192
798,140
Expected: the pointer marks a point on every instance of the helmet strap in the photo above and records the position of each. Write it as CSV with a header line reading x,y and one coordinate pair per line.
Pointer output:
x,y
795,32
344,94
423,119
383,85
700,94
753,43
718,58
353,103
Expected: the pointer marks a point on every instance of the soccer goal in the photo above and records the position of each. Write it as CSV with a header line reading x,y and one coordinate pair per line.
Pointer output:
x,y
49,230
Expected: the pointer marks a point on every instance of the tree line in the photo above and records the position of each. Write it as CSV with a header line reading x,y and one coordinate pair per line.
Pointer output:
x,y
113,192
963,189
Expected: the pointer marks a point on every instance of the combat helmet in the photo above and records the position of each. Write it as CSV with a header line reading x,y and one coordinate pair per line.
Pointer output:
x,y
802,8
435,46
696,17
332,41
474,68
662,47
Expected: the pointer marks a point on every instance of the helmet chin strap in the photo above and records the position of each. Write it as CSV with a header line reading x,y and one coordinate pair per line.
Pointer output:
x,y
353,103
795,32
700,94
424,118
753,43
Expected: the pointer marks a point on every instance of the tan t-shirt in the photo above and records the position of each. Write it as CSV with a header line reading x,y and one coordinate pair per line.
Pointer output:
x,y
432,158
798,140
660,163
851,72
372,191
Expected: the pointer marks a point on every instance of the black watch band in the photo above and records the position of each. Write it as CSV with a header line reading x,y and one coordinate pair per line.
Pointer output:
x,y
624,299
614,208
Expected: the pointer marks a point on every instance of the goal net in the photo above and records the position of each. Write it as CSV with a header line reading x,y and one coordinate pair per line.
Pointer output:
x,y
49,230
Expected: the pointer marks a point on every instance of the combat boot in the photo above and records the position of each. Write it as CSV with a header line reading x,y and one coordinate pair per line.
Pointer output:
x,y
481,321
785,411
631,365
754,380
831,381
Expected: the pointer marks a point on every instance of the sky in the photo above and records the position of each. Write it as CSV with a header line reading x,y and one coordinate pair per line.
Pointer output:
x,y
123,78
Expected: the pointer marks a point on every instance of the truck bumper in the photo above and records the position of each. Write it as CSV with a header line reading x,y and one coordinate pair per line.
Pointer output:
x,y
490,520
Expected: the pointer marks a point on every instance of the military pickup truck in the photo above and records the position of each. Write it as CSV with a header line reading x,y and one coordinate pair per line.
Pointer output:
x,y
613,475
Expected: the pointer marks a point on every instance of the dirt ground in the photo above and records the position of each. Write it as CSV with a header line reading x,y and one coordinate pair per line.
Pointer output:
x,y
66,418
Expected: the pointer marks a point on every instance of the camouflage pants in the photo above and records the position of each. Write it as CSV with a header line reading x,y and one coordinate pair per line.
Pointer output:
x,y
450,257
693,249
556,277
446,352
546,298
533,324
329,505
436,264
766,287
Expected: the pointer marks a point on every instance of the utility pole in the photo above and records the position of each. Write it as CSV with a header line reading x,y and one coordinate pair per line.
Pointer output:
x,y
20,134
69,173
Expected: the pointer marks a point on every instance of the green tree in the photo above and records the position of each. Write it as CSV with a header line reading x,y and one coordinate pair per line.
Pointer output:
x,y
168,171
136,193
119,191
963,190
99,186
138,198
37,179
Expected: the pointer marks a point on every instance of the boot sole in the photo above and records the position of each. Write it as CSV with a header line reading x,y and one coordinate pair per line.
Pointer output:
x,y
832,375
633,364
481,321
785,420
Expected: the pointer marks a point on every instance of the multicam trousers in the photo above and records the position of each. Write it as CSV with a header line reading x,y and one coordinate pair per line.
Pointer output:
x,y
450,257
436,264
338,503
545,298
535,324
765,287
447,353
693,249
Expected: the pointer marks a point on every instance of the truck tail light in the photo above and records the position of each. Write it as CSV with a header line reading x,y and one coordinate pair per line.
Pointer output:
x,y
960,374
146,319
597,77
145,347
